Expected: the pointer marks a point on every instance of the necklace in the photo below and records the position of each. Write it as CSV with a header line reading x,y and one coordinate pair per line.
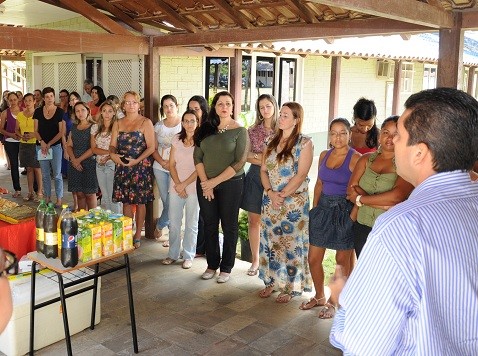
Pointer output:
x,y
224,129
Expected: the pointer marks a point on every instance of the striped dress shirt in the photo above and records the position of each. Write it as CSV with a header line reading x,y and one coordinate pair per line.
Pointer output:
x,y
414,290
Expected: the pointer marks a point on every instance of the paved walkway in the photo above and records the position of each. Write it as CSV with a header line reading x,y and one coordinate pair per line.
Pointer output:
x,y
177,313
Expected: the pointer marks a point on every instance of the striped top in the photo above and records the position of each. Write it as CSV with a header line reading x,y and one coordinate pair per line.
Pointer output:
x,y
415,288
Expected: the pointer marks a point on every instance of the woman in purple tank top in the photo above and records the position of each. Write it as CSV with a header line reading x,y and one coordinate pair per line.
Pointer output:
x,y
330,226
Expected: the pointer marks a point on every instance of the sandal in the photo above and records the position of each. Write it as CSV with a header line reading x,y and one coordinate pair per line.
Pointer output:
x,y
166,243
157,234
252,271
168,261
38,198
284,298
327,312
29,197
136,244
312,303
17,194
266,292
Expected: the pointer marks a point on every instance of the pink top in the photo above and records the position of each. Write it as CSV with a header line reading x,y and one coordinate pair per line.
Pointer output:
x,y
184,165
258,136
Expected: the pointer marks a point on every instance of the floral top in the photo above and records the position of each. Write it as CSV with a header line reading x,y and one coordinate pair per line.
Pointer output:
x,y
258,136
102,141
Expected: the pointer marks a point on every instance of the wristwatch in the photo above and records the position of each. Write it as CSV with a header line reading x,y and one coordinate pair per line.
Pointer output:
x,y
357,201
256,156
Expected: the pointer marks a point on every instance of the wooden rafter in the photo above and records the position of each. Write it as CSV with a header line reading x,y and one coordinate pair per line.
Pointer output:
x,y
302,11
236,15
470,20
43,40
95,16
292,32
105,5
171,15
411,11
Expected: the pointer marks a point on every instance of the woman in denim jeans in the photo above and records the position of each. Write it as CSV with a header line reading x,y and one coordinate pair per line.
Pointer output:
x,y
164,131
182,193
100,143
49,129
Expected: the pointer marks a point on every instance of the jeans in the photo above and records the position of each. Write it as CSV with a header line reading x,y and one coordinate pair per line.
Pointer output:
x,y
12,149
224,208
47,166
105,175
162,180
176,208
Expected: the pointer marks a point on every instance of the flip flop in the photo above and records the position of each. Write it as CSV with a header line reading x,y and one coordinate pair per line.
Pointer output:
x,y
252,271
136,244
284,298
165,243
327,312
266,292
168,261
312,303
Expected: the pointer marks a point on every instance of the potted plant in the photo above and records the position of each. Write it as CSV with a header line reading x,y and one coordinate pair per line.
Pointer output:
x,y
246,254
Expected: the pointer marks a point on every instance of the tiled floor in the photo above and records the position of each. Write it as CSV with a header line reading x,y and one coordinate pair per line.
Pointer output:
x,y
177,313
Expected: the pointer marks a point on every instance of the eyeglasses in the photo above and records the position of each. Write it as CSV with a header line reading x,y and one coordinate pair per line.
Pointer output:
x,y
8,263
190,122
131,102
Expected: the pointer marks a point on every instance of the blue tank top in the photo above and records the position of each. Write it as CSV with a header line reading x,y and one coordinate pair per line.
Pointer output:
x,y
334,181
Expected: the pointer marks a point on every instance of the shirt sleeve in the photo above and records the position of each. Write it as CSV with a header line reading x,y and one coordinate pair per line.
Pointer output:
x,y
242,149
198,155
374,305
94,129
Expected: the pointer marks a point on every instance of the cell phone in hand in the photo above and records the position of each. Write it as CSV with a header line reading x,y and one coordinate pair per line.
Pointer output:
x,y
124,159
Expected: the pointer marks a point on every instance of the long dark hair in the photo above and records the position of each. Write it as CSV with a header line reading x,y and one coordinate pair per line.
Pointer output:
x,y
298,113
163,99
209,127
70,109
203,105
101,95
365,110
182,135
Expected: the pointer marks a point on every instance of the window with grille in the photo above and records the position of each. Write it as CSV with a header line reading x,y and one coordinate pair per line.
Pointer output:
x,y
407,78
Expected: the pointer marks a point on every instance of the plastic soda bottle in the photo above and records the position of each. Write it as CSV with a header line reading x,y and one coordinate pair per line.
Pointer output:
x,y
50,220
40,233
58,226
69,239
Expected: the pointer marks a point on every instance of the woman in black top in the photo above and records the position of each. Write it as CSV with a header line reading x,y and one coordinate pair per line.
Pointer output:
x,y
49,129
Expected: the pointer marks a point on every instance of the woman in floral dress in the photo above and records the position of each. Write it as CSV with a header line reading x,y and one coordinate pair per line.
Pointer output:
x,y
284,240
132,143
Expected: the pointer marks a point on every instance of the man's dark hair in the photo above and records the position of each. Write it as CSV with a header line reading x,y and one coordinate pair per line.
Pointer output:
x,y
446,120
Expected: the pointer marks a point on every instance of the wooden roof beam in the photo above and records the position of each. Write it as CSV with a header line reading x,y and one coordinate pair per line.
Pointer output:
x,y
304,13
233,13
105,5
43,40
172,15
469,20
411,11
353,28
95,16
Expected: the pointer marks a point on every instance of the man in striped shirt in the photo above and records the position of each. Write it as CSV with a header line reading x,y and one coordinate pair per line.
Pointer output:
x,y
414,290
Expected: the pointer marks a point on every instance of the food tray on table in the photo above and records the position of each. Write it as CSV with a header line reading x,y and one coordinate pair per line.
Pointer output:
x,y
17,214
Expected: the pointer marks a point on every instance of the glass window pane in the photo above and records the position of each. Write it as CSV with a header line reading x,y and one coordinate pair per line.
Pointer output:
x,y
217,76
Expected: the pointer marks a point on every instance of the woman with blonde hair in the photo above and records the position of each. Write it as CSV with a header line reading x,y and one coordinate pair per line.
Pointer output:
x,y
263,128
284,243
100,144
82,167
131,146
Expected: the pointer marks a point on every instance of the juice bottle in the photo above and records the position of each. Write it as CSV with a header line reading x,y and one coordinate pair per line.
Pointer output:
x,y
40,232
50,220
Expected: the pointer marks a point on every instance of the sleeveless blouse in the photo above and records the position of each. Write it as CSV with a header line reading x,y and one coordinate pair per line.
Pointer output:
x,y
335,181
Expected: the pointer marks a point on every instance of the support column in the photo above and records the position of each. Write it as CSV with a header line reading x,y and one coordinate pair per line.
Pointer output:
x,y
397,83
334,88
471,81
151,106
236,81
450,58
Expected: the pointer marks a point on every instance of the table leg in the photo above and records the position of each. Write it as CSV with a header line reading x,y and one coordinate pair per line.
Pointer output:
x,y
95,294
32,308
131,304
65,315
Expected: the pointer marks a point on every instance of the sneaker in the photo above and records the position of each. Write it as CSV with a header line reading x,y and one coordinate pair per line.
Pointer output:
x,y
187,264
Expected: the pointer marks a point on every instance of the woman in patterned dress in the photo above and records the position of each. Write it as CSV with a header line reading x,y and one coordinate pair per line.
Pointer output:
x,y
82,167
284,243
132,143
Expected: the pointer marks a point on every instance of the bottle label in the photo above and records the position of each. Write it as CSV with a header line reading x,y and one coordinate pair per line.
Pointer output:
x,y
51,238
69,241
40,234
